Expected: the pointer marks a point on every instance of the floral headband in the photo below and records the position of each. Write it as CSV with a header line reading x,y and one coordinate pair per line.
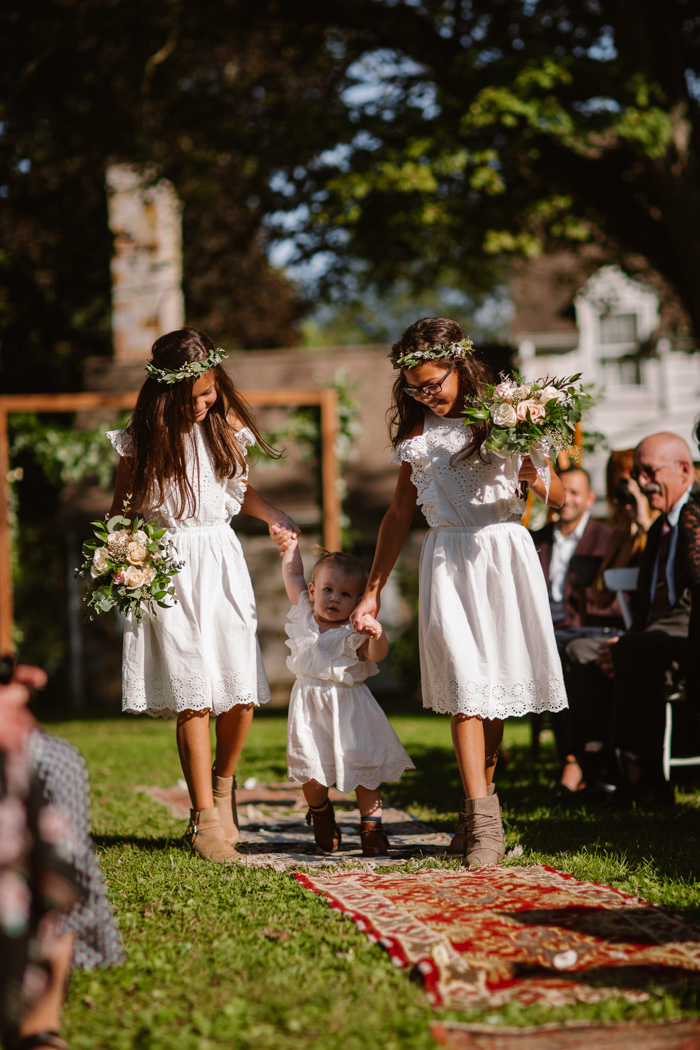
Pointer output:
x,y
412,358
193,370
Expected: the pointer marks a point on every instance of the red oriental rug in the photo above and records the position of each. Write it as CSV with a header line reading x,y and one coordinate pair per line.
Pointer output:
x,y
530,934
671,1035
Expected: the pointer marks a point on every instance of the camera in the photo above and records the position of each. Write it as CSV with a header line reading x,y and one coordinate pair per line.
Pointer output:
x,y
622,494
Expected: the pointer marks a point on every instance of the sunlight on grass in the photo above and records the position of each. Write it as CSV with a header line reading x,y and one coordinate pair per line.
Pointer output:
x,y
241,958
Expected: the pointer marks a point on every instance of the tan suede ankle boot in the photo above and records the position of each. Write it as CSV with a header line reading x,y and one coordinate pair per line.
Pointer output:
x,y
484,838
224,790
206,836
456,846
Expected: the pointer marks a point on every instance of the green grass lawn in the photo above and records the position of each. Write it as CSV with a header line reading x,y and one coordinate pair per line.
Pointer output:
x,y
248,959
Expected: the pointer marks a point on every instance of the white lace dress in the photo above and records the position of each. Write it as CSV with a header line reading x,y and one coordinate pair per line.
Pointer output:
x,y
486,639
203,653
336,731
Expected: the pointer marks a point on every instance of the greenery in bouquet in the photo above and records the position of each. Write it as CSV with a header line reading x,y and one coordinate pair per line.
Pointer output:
x,y
523,418
130,568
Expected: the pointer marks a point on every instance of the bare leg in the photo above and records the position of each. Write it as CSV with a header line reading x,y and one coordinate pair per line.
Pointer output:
x,y
194,747
315,793
476,743
231,732
45,1015
369,803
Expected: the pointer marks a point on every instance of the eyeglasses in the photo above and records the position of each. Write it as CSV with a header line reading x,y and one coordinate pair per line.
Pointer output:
x,y
650,472
429,389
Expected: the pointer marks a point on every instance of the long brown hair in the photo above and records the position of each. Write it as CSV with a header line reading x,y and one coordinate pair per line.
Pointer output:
x,y
163,417
406,412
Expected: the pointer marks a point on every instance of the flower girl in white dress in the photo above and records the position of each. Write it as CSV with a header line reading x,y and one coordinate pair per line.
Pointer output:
x,y
337,732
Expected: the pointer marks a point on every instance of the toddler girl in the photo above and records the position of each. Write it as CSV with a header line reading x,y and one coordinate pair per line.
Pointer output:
x,y
487,647
337,732
184,462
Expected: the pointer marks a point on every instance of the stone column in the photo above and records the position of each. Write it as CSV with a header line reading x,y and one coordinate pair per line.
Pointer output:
x,y
147,301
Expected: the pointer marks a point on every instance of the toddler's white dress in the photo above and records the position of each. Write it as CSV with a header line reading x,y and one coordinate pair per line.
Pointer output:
x,y
486,638
336,731
203,653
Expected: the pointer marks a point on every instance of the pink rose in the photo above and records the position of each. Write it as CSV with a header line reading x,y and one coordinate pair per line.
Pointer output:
x,y
119,577
531,408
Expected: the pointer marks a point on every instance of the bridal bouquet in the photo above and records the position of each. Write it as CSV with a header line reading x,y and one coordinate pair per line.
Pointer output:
x,y
129,566
535,419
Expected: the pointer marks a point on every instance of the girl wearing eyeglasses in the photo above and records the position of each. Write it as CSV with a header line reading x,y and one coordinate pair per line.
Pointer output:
x,y
487,646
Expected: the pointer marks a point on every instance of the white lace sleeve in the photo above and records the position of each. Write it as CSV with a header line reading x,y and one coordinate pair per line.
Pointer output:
x,y
121,442
245,437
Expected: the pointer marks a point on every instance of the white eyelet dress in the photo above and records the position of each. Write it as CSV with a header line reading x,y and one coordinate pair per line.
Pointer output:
x,y
336,731
486,638
203,653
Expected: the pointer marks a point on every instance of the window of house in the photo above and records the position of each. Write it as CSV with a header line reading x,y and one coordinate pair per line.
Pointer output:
x,y
618,328
622,371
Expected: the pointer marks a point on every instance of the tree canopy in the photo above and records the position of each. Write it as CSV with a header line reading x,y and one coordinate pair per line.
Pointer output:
x,y
391,140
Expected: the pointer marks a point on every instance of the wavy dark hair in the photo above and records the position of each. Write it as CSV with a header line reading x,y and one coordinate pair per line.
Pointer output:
x,y
473,375
163,417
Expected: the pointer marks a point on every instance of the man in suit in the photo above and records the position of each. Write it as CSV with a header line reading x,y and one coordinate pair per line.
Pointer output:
x,y
570,552
637,663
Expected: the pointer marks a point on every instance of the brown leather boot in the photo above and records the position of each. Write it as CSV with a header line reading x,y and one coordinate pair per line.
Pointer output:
x,y
484,841
224,790
326,831
206,836
456,846
374,840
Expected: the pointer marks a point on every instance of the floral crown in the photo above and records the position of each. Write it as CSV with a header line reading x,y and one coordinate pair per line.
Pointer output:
x,y
412,358
193,370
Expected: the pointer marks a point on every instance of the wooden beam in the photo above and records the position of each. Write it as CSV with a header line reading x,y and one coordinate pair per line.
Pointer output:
x,y
326,399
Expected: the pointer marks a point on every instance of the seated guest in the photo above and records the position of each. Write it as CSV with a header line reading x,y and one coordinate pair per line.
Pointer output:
x,y
571,551
626,676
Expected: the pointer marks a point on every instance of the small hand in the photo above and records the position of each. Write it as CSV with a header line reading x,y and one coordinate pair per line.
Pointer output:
x,y
284,532
368,625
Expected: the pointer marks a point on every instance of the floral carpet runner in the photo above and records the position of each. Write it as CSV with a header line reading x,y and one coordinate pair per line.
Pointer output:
x,y
525,934
672,1035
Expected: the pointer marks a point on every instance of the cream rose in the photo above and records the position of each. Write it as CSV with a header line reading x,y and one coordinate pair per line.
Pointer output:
x,y
505,390
117,538
136,554
548,393
504,415
149,574
535,410
100,563
139,537
134,577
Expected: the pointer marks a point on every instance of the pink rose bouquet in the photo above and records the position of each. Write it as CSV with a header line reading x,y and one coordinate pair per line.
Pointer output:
x,y
130,568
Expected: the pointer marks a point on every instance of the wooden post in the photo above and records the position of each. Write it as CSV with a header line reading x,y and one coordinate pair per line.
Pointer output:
x,y
6,617
330,475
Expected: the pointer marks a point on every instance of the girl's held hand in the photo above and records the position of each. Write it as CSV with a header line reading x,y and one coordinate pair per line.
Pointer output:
x,y
368,625
367,607
284,532
527,471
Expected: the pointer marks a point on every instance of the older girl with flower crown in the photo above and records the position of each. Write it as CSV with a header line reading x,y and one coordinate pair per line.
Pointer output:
x,y
487,647
184,462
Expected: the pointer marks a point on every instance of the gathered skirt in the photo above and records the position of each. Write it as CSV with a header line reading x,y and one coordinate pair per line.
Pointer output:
x,y
486,637
203,653
338,734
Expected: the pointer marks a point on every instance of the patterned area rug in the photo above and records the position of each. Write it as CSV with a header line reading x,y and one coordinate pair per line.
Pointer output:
x,y
274,833
531,935
672,1035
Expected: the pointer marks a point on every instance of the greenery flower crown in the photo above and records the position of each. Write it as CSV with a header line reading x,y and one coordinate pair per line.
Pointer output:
x,y
193,370
413,358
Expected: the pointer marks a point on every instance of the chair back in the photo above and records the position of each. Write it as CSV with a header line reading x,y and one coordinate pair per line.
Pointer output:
x,y
622,581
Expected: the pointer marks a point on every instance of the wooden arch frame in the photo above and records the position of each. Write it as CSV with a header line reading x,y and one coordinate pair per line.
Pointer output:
x,y
326,399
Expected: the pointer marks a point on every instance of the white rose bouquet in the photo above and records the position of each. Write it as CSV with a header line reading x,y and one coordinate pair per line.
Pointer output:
x,y
535,419
129,566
